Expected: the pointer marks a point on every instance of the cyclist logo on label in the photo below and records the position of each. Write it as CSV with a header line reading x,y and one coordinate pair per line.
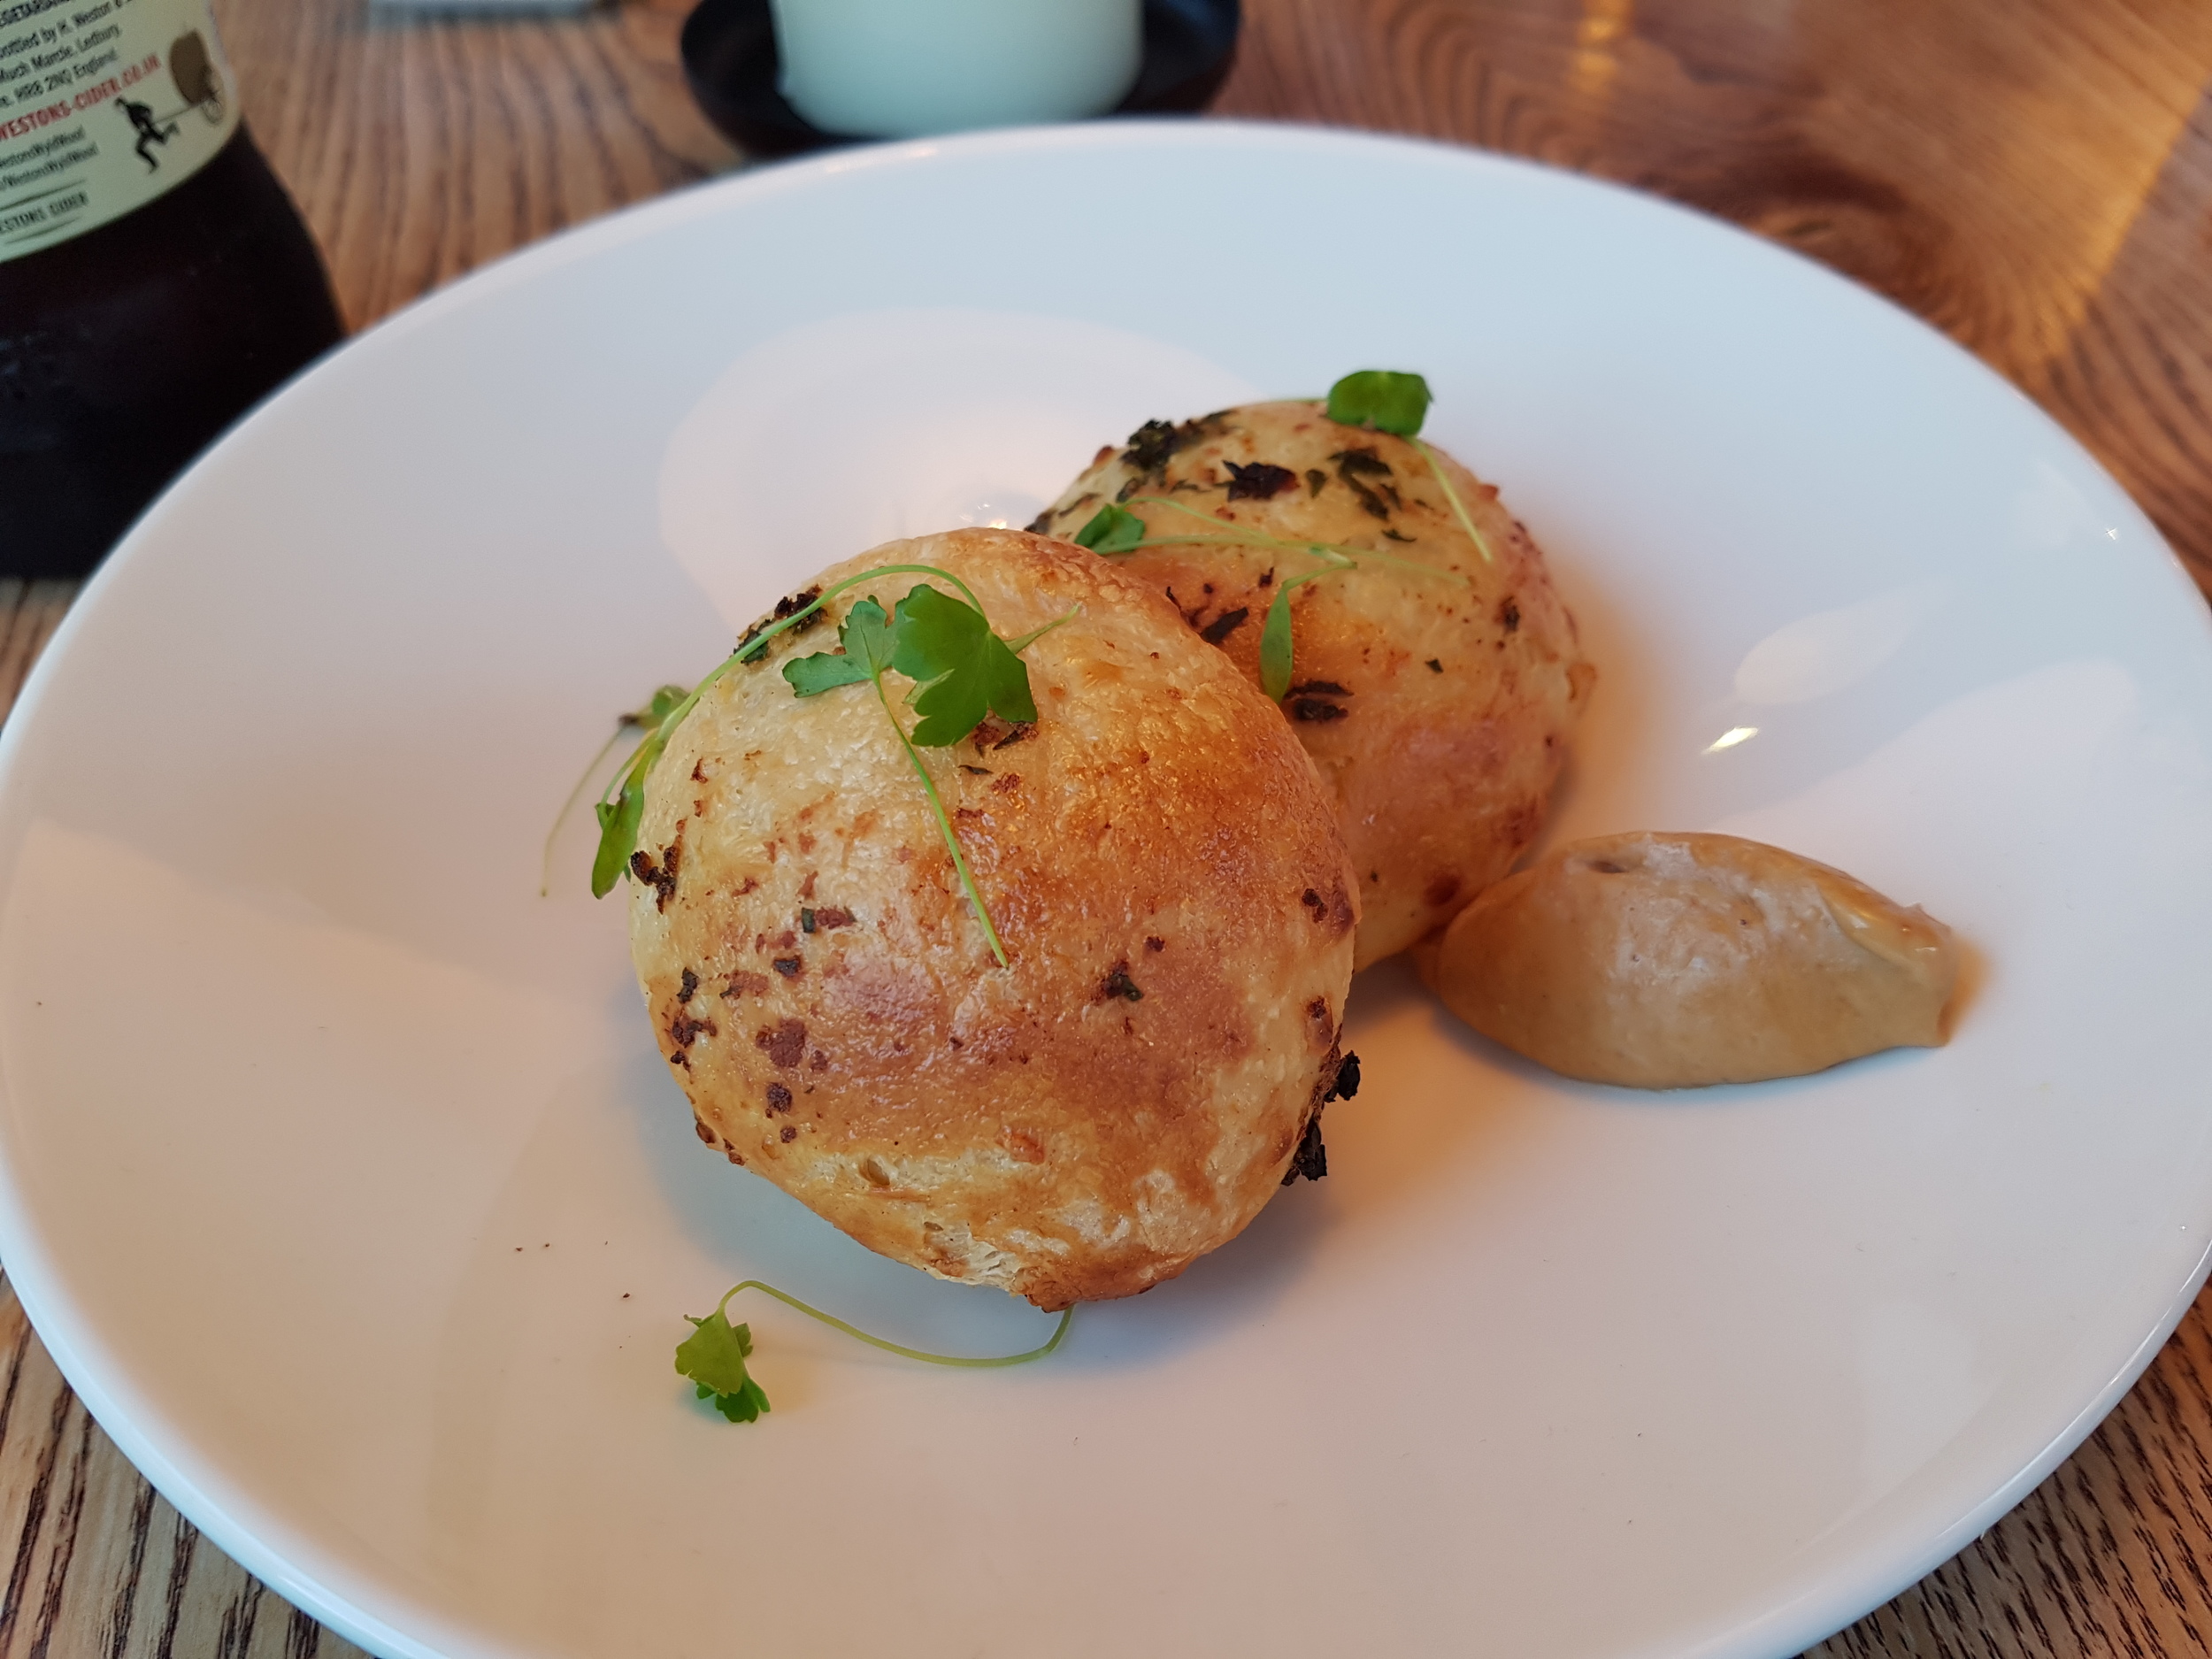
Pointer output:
x,y
192,69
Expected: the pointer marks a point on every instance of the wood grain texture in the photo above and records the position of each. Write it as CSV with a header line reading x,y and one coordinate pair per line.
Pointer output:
x,y
97,1562
2108,1556
2032,176
421,148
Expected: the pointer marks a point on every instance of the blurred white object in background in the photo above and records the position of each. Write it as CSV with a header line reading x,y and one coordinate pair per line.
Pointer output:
x,y
901,68
537,8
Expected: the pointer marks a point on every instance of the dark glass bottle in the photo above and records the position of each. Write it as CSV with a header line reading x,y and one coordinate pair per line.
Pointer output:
x,y
125,348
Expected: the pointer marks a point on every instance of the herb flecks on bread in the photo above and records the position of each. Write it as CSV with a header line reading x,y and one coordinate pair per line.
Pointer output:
x,y
1165,878
1402,618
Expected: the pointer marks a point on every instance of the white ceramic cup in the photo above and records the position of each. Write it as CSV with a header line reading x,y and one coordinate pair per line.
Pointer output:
x,y
901,68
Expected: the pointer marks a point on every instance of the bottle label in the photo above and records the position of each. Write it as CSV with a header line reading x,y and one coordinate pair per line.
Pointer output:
x,y
104,104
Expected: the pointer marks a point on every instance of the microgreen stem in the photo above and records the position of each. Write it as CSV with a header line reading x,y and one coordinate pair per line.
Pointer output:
x,y
1275,636
545,866
613,856
752,649
1242,537
944,828
1275,650
1458,506
831,1320
1029,639
1342,557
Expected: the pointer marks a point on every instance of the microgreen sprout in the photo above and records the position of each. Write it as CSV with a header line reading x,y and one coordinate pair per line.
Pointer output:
x,y
1377,400
1383,400
713,1357
1459,507
962,672
1114,535
1276,666
637,720
1112,529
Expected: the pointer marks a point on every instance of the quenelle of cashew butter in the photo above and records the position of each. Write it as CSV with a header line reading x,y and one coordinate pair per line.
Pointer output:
x,y
1670,961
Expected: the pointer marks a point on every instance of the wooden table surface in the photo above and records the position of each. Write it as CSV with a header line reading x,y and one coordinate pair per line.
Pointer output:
x,y
2034,177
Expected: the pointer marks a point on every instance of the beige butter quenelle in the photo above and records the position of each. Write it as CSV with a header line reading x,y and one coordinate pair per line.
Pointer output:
x,y
1670,961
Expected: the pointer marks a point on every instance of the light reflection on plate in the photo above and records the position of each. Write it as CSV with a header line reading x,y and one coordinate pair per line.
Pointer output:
x,y
928,417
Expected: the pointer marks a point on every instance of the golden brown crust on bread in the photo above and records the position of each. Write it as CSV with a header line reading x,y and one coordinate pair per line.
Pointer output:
x,y
1161,863
1667,961
1437,707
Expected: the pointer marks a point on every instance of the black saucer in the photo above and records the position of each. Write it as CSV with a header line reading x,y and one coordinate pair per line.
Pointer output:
x,y
729,52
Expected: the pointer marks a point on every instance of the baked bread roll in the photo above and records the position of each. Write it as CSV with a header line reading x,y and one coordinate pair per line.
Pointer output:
x,y
1437,703
1666,961
1163,868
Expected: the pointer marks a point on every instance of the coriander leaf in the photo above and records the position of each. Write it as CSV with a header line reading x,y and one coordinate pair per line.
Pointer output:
x,y
1111,529
1380,398
1275,646
662,704
867,636
948,649
713,1357
825,670
744,1406
1275,653
867,645
963,669
619,819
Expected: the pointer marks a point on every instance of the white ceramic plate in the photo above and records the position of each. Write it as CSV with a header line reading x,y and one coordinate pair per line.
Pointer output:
x,y
343,1177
